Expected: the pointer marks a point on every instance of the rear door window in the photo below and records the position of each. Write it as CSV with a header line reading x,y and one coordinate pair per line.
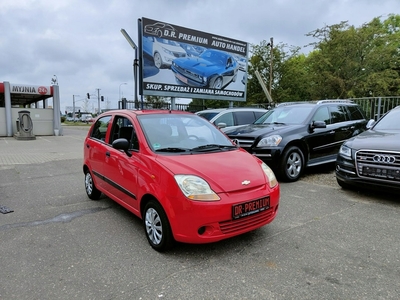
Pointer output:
x,y
100,128
338,114
355,112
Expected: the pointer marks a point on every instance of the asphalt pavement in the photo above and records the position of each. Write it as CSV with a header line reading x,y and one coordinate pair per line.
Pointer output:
x,y
326,243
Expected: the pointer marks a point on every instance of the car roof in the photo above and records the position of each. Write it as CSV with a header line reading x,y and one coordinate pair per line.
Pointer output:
x,y
232,108
147,112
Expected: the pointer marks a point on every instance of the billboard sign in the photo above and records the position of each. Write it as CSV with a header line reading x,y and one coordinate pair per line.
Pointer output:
x,y
186,63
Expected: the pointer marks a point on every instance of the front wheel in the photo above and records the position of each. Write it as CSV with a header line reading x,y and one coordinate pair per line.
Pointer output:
x,y
91,190
217,83
157,228
292,164
158,60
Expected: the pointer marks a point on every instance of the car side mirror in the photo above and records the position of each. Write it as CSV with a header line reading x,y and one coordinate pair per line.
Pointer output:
x,y
122,144
221,125
370,123
317,124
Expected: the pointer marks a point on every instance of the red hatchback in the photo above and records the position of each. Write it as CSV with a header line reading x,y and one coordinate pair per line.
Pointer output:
x,y
182,176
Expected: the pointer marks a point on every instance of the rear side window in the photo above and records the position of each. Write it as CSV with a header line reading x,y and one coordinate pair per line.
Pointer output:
x,y
355,112
100,128
244,117
338,114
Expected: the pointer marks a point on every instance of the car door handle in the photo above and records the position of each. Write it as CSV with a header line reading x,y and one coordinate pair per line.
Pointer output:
x,y
332,132
108,154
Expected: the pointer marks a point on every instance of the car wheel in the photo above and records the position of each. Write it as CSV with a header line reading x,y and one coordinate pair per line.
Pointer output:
x,y
157,228
217,83
91,190
157,60
292,164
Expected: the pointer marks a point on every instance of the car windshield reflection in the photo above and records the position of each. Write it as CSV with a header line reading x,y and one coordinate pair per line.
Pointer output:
x,y
182,133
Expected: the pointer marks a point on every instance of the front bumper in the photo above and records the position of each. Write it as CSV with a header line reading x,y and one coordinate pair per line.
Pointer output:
x,y
205,222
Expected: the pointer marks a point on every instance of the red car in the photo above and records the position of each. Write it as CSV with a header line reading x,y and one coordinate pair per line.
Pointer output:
x,y
182,176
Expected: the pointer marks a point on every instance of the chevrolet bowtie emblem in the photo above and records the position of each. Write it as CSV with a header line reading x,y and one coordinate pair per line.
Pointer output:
x,y
246,182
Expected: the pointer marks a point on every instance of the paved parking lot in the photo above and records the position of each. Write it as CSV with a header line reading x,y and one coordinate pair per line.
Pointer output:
x,y
326,243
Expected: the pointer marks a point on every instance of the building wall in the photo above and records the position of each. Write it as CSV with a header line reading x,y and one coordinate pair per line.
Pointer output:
x,y
42,119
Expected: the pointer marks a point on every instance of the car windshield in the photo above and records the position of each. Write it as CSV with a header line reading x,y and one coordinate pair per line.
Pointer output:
x,y
168,42
285,115
182,133
214,56
390,121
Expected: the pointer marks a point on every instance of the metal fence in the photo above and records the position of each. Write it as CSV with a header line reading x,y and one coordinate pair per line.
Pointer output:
x,y
375,107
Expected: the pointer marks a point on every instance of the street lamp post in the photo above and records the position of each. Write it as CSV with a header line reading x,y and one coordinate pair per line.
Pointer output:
x,y
135,64
123,105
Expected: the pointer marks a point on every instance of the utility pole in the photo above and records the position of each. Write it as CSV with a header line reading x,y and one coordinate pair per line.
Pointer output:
x,y
98,101
271,44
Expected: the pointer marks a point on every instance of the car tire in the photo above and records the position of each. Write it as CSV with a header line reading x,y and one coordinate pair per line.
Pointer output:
x,y
157,60
217,84
292,164
157,227
91,190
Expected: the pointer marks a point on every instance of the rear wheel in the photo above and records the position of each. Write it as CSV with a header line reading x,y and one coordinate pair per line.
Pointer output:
x,y
91,190
157,228
292,164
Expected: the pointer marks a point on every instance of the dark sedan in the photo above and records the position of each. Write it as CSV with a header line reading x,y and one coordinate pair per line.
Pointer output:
x,y
212,69
372,159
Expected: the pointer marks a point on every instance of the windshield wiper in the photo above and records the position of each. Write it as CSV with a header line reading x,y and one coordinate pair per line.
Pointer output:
x,y
212,147
172,149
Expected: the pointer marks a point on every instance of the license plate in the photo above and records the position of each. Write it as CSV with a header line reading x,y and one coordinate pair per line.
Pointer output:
x,y
181,78
248,208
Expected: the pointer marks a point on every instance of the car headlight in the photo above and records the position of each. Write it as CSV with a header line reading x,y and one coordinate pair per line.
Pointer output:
x,y
196,188
345,151
270,175
272,140
167,51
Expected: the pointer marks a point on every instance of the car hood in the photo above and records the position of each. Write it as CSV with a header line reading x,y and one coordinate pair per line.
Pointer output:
x,y
376,140
198,65
254,130
225,171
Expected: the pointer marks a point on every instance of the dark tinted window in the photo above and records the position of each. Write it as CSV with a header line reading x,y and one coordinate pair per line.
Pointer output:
x,y
100,128
244,117
208,115
355,112
338,113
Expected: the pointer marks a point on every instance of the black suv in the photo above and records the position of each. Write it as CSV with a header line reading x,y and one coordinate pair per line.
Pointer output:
x,y
296,135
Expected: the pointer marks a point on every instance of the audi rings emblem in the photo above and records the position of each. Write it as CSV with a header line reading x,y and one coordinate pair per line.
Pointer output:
x,y
386,159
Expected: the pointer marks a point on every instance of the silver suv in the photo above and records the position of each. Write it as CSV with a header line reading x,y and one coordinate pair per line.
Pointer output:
x,y
228,118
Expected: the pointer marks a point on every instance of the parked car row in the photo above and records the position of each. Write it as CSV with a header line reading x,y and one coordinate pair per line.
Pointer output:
x,y
174,169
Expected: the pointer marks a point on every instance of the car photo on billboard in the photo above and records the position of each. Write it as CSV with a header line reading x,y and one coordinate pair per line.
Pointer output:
x,y
212,69
186,63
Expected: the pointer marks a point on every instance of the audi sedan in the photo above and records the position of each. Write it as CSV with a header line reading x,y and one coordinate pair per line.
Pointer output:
x,y
182,176
372,159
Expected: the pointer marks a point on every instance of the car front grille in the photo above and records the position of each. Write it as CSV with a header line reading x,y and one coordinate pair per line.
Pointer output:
x,y
231,226
188,74
244,142
383,165
179,54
